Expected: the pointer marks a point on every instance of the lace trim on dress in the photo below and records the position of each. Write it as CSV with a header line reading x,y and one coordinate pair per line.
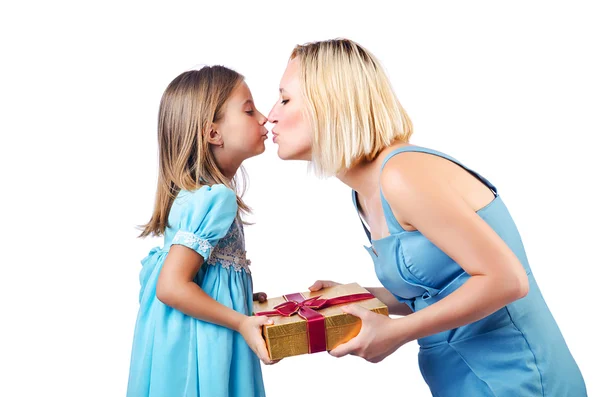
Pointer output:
x,y
190,239
236,259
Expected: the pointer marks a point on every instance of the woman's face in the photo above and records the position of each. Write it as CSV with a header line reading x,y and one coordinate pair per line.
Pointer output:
x,y
292,132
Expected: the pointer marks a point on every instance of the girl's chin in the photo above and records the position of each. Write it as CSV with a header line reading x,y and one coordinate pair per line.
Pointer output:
x,y
260,148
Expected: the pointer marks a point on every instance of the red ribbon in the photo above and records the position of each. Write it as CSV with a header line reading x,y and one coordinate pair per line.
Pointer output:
x,y
307,309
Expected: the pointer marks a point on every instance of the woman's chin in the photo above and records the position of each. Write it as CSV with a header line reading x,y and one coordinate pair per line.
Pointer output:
x,y
287,155
283,155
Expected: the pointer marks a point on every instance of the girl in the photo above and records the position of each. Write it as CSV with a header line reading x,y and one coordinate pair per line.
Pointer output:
x,y
194,334
444,244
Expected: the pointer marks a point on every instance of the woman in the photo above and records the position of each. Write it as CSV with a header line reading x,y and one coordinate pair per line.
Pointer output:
x,y
444,244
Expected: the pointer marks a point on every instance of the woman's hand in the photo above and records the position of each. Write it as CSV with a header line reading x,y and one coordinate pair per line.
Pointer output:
x,y
251,329
320,284
378,337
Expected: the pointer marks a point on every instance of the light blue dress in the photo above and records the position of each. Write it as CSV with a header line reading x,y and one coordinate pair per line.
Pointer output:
x,y
175,355
517,351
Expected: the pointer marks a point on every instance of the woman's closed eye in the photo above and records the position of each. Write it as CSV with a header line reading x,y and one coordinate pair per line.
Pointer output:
x,y
284,101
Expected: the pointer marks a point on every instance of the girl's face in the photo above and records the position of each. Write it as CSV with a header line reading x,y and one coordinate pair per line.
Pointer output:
x,y
292,132
242,126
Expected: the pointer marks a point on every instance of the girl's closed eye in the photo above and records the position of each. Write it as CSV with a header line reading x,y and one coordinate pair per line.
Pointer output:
x,y
250,112
284,101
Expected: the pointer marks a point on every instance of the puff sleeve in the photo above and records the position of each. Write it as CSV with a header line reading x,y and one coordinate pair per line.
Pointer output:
x,y
206,216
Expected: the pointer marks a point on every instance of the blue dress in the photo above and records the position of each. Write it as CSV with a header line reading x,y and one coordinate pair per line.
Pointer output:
x,y
175,355
517,351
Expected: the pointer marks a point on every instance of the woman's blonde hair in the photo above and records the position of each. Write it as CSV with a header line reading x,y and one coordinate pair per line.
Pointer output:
x,y
352,107
190,104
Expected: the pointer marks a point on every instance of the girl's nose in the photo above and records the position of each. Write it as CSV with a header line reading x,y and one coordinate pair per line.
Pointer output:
x,y
262,120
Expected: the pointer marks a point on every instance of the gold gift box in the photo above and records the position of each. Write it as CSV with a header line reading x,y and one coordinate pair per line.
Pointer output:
x,y
287,336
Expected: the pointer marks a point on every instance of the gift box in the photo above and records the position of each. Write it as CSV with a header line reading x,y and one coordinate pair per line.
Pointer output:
x,y
312,322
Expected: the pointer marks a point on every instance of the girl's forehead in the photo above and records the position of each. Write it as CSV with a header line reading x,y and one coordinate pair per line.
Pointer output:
x,y
240,96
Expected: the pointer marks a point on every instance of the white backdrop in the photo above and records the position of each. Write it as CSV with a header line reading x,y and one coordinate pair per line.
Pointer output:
x,y
511,89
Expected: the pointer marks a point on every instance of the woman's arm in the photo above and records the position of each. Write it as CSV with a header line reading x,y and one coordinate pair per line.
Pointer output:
x,y
176,288
428,203
439,212
394,305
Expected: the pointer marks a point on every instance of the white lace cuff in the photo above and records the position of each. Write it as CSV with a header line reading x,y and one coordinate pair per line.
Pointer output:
x,y
190,240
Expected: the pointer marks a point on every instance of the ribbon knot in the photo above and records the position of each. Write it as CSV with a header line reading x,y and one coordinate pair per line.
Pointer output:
x,y
289,308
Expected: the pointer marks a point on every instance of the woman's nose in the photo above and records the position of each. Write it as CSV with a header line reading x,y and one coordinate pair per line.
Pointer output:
x,y
273,115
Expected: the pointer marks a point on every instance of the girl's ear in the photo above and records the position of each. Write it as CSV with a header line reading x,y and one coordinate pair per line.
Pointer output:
x,y
214,136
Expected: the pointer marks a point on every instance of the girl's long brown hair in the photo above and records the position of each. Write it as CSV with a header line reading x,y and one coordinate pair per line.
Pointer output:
x,y
190,104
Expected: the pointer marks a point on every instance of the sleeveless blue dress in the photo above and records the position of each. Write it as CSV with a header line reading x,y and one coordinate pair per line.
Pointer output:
x,y
175,355
517,351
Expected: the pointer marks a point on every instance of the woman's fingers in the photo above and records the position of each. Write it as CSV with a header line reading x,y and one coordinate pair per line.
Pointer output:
x,y
320,284
357,311
349,347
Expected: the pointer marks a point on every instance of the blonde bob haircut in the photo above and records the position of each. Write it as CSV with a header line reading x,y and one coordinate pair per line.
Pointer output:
x,y
352,108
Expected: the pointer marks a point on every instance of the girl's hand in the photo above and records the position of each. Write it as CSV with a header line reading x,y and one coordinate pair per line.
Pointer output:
x,y
259,297
251,330
377,339
320,284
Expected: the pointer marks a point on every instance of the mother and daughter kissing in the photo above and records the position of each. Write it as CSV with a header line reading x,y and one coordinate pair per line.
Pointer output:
x,y
444,245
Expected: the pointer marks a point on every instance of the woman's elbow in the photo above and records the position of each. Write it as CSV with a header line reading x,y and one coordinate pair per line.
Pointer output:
x,y
518,286
523,287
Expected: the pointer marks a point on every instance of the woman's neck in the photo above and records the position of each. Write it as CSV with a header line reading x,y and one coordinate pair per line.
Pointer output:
x,y
363,177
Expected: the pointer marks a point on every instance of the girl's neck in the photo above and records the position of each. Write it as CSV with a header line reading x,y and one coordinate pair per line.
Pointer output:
x,y
228,167
229,172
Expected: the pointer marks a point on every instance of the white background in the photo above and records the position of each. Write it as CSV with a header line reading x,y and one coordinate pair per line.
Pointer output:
x,y
511,89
